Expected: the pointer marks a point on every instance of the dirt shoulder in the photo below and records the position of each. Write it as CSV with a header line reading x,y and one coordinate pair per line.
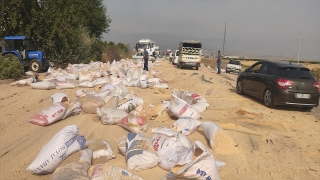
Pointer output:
x,y
262,143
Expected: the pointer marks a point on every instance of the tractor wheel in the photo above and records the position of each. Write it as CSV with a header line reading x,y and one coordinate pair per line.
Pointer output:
x,y
10,56
35,65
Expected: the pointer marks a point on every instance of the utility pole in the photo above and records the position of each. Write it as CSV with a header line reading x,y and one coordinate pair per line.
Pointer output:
x,y
299,37
224,39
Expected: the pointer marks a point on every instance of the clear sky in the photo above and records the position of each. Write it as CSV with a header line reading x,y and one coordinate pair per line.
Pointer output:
x,y
253,26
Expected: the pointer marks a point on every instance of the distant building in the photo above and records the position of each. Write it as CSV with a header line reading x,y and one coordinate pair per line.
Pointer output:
x,y
230,57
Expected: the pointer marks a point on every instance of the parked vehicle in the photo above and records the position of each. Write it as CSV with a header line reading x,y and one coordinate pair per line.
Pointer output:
x,y
175,57
190,54
234,66
25,50
139,56
171,57
280,83
148,44
168,52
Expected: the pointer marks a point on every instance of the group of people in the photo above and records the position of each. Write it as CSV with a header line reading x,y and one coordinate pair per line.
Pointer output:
x,y
146,58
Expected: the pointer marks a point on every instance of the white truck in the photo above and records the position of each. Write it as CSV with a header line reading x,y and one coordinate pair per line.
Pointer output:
x,y
189,54
149,44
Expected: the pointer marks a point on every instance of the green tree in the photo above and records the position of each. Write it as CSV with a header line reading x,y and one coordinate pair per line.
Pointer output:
x,y
67,30
16,17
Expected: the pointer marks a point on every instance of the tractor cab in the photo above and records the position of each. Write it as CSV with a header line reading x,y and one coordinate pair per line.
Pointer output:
x,y
26,51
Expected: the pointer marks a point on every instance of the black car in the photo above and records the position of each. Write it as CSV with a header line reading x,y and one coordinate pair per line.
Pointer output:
x,y
280,83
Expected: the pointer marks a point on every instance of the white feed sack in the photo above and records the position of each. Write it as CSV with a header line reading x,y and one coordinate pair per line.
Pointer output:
x,y
53,113
136,74
59,97
203,165
74,108
132,103
76,169
200,106
87,84
134,83
45,85
139,152
64,77
120,90
121,73
110,115
65,85
190,97
209,129
64,143
101,149
85,76
180,108
82,92
107,87
109,172
134,124
172,147
161,85
90,103
219,140
72,81
101,81
96,74
186,125
145,84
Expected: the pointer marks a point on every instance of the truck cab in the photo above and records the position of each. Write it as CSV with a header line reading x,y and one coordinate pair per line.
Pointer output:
x,y
25,50
149,45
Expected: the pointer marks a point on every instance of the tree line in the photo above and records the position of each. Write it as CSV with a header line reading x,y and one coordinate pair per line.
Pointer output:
x,y
68,31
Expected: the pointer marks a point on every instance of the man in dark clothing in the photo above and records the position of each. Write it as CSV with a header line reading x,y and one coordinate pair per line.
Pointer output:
x,y
219,62
145,58
154,55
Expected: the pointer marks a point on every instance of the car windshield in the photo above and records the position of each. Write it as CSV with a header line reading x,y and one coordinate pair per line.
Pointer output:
x,y
296,73
234,62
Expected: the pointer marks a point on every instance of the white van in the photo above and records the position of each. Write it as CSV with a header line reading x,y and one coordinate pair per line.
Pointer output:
x,y
175,57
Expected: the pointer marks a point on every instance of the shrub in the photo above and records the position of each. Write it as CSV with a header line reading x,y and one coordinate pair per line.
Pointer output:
x,y
209,62
316,73
10,68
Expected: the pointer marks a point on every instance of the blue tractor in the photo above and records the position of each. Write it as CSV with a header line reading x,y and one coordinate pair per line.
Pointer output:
x,y
25,50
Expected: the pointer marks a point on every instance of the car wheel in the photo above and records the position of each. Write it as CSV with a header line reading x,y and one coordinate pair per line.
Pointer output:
x,y
35,65
239,87
268,98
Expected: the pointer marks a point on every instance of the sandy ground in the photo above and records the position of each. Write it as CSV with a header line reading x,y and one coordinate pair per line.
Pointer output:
x,y
263,143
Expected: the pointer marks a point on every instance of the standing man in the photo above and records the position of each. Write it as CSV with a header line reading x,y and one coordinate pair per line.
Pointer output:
x,y
145,58
219,62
